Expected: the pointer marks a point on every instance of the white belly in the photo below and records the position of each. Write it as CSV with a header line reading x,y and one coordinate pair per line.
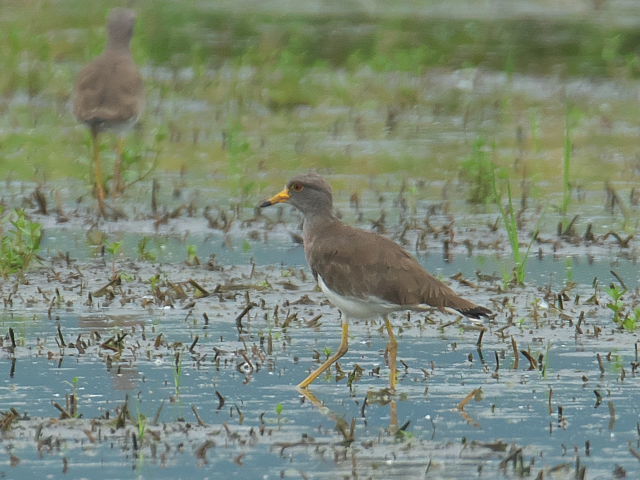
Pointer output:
x,y
357,307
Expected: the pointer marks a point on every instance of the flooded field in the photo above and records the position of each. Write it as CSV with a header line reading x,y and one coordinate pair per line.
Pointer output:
x,y
169,362
496,141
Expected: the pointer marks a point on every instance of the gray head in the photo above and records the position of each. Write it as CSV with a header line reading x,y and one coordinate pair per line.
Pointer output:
x,y
308,192
120,26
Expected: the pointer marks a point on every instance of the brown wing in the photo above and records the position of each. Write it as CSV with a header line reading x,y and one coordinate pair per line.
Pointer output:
x,y
109,90
358,263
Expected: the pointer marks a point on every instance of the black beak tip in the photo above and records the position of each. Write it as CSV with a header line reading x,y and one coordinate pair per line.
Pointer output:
x,y
266,203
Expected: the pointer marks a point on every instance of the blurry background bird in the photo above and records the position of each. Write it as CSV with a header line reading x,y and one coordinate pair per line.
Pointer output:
x,y
109,95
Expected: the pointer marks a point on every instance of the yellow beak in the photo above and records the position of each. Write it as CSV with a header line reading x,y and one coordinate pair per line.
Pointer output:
x,y
283,196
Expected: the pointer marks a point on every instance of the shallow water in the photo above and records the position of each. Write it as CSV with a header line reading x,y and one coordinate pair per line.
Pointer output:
x,y
581,267
259,426
264,422
442,367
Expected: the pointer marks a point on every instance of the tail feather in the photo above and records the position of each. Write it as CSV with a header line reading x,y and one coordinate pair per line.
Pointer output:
x,y
469,309
475,312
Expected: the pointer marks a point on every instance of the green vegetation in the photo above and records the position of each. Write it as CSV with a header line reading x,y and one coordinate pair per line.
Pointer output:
x,y
489,183
566,168
478,171
19,243
144,253
192,255
509,217
624,315
113,249
154,282
572,117
401,43
137,161
142,425
239,155
569,269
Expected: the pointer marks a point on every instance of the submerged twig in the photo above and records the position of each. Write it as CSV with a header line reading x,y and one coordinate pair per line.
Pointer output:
x,y
239,318
516,357
202,291
63,411
533,363
194,409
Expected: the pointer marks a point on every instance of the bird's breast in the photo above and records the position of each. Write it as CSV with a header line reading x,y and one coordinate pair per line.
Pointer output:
x,y
355,307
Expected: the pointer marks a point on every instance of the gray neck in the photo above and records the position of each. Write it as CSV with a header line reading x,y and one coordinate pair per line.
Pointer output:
x,y
317,220
119,43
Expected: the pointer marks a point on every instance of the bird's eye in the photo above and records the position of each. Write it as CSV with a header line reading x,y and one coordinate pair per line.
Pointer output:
x,y
297,187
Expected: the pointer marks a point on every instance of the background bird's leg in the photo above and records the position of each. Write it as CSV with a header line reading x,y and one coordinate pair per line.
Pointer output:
x,y
393,414
118,187
392,351
97,169
344,346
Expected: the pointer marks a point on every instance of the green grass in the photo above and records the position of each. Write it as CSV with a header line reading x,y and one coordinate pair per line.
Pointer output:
x,y
146,253
625,315
572,119
141,424
501,187
19,242
566,168
478,171
510,223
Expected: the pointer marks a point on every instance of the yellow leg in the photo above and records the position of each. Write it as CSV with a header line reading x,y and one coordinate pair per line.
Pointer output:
x,y
392,350
97,167
393,422
118,187
344,346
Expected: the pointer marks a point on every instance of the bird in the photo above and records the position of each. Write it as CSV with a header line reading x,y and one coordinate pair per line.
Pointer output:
x,y
109,94
362,273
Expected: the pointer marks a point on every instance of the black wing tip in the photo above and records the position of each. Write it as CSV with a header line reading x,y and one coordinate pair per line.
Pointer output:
x,y
476,312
